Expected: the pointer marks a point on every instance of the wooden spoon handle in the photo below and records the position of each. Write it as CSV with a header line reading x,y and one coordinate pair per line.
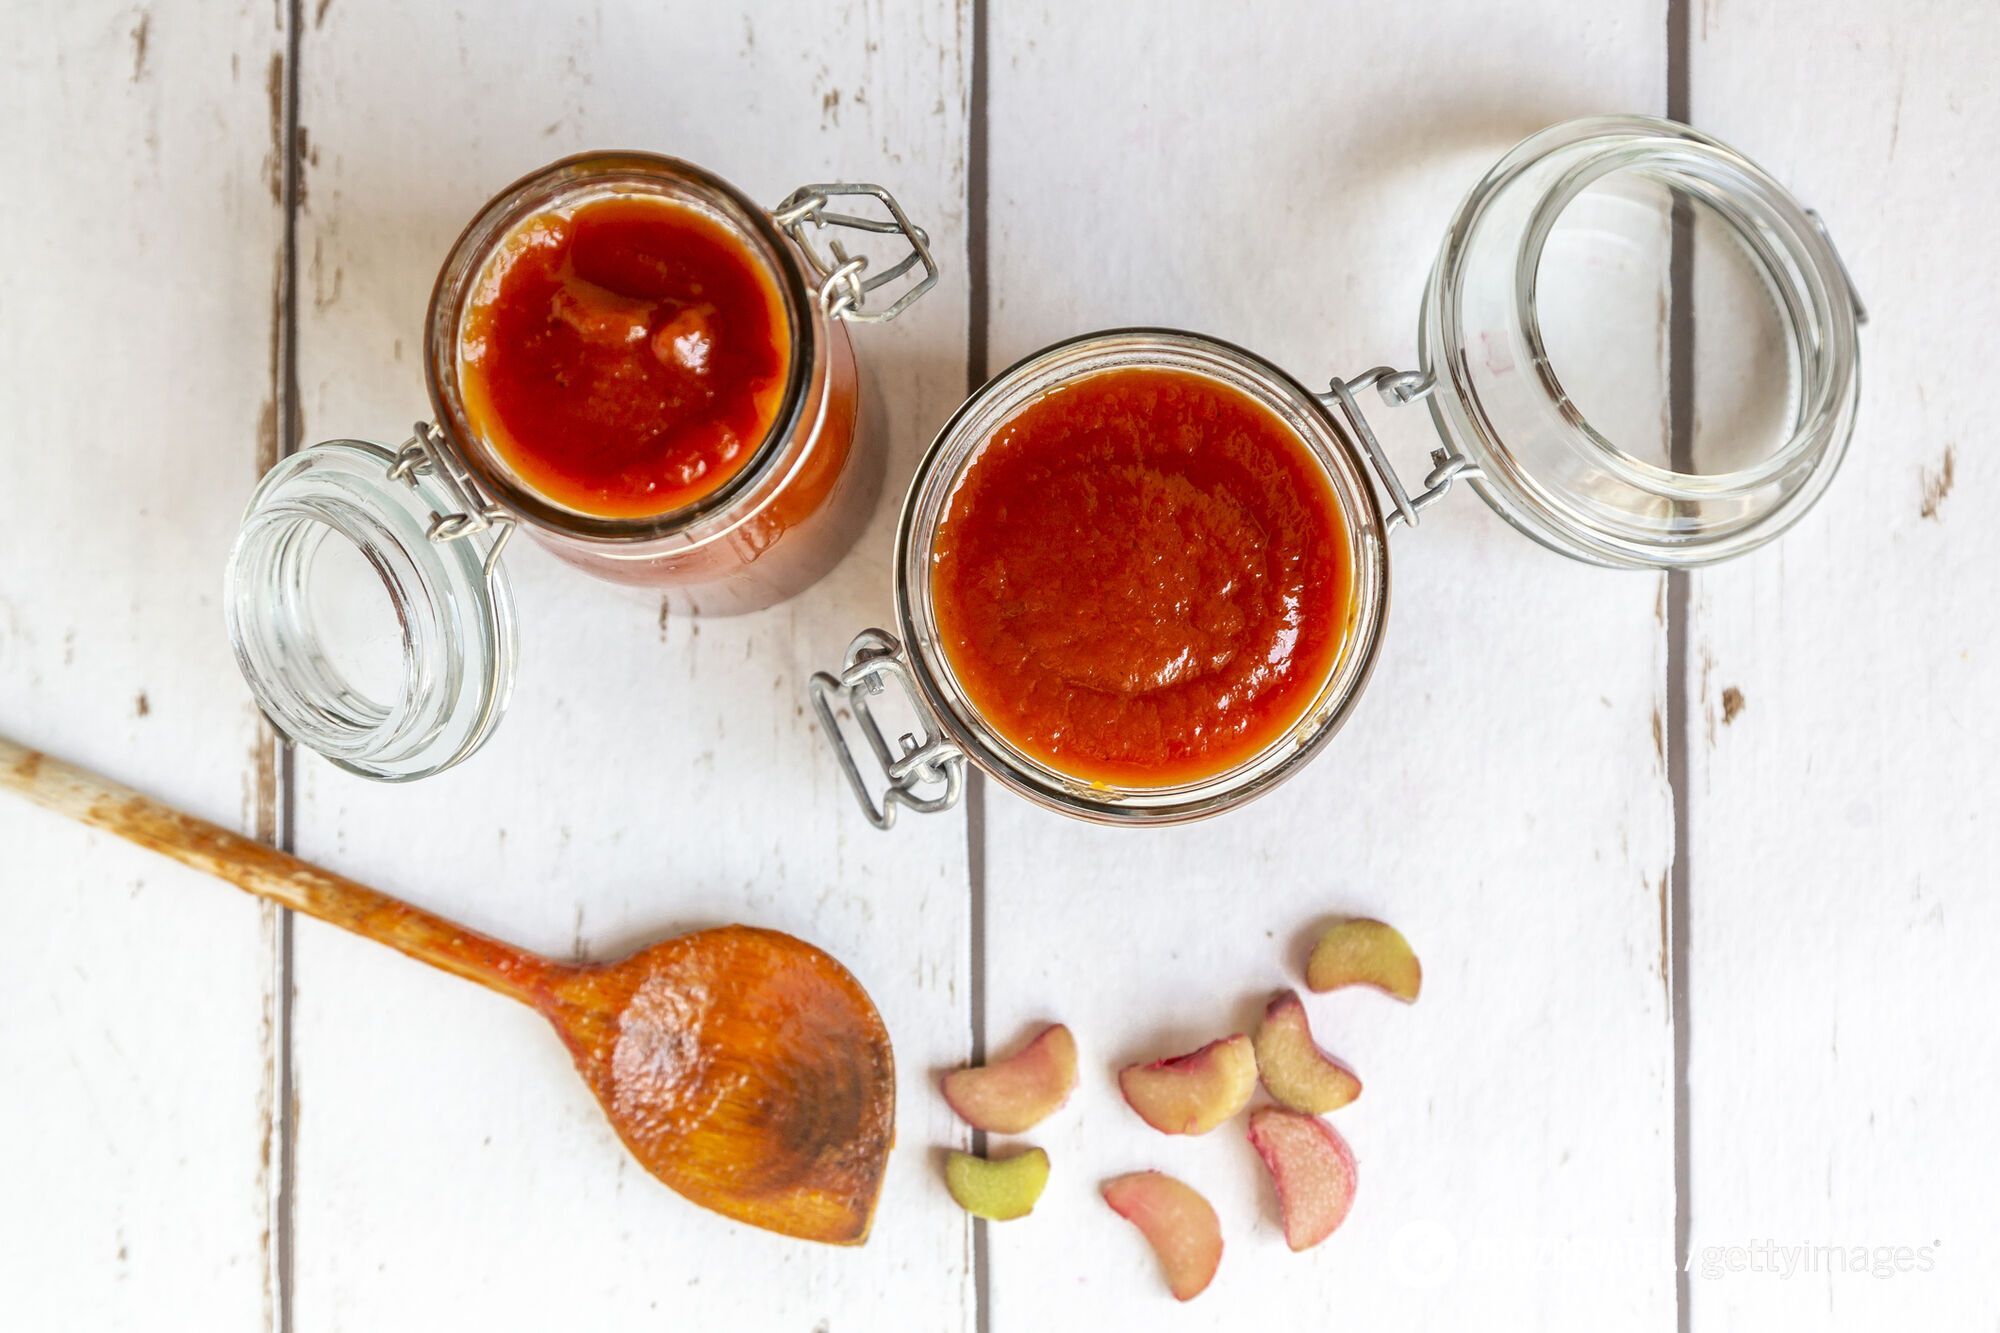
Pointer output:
x,y
276,875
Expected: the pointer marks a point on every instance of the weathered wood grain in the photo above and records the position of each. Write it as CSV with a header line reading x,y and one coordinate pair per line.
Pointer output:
x,y
1279,180
1846,746
654,772
137,1062
1283,181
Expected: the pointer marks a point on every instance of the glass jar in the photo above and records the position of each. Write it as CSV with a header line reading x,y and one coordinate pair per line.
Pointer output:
x,y
427,523
1552,354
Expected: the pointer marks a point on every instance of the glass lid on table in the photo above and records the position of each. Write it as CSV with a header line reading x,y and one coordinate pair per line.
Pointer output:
x,y
1142,576
1561,358
632,363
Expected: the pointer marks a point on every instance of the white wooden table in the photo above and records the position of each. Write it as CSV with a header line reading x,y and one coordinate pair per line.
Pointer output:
x,y
1648,1047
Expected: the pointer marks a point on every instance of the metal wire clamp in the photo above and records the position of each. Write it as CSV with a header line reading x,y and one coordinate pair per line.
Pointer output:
x,y
913,765
1398,387
424,455
843,292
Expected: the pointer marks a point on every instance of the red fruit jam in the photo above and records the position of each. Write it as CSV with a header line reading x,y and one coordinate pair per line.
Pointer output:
x,y
626,356
1143,578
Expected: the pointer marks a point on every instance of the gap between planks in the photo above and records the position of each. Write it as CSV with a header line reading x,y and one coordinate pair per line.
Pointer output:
x,y
276,776
976,326
1680,448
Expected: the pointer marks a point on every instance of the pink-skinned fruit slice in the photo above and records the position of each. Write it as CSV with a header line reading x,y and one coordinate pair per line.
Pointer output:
x,y
1176,1221
1014,1095
1193,1093
1293,1067
1312,1167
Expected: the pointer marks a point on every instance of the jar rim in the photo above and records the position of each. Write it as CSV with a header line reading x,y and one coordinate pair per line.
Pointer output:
x,y
557,185
958,443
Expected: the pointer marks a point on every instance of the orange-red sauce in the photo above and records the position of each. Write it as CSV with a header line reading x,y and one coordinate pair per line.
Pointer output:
x,y
625,357
1143,578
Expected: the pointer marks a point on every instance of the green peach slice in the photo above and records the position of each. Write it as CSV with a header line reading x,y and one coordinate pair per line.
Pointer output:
x,y
997,1190
1362,952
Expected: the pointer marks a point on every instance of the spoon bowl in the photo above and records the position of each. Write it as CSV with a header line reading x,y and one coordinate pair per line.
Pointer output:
x,y
744,1068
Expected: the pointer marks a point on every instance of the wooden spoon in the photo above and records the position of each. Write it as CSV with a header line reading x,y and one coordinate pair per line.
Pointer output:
x,y
746,1069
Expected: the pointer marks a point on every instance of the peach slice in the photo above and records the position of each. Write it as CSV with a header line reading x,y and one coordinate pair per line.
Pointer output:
x,y
1176,1221
1001,1190
1312,1167
1361,952
1016,1094
1294,1069
1193,1093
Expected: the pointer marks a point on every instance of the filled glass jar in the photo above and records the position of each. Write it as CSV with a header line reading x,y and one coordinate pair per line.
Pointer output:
x,y
1142,575
631,362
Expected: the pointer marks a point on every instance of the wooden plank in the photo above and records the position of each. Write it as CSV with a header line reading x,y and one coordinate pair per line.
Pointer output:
x,y
1843,762
1283,182
136,380
655,773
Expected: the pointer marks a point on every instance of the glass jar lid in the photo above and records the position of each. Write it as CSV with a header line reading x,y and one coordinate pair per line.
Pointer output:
x,y
1643,346
368,610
